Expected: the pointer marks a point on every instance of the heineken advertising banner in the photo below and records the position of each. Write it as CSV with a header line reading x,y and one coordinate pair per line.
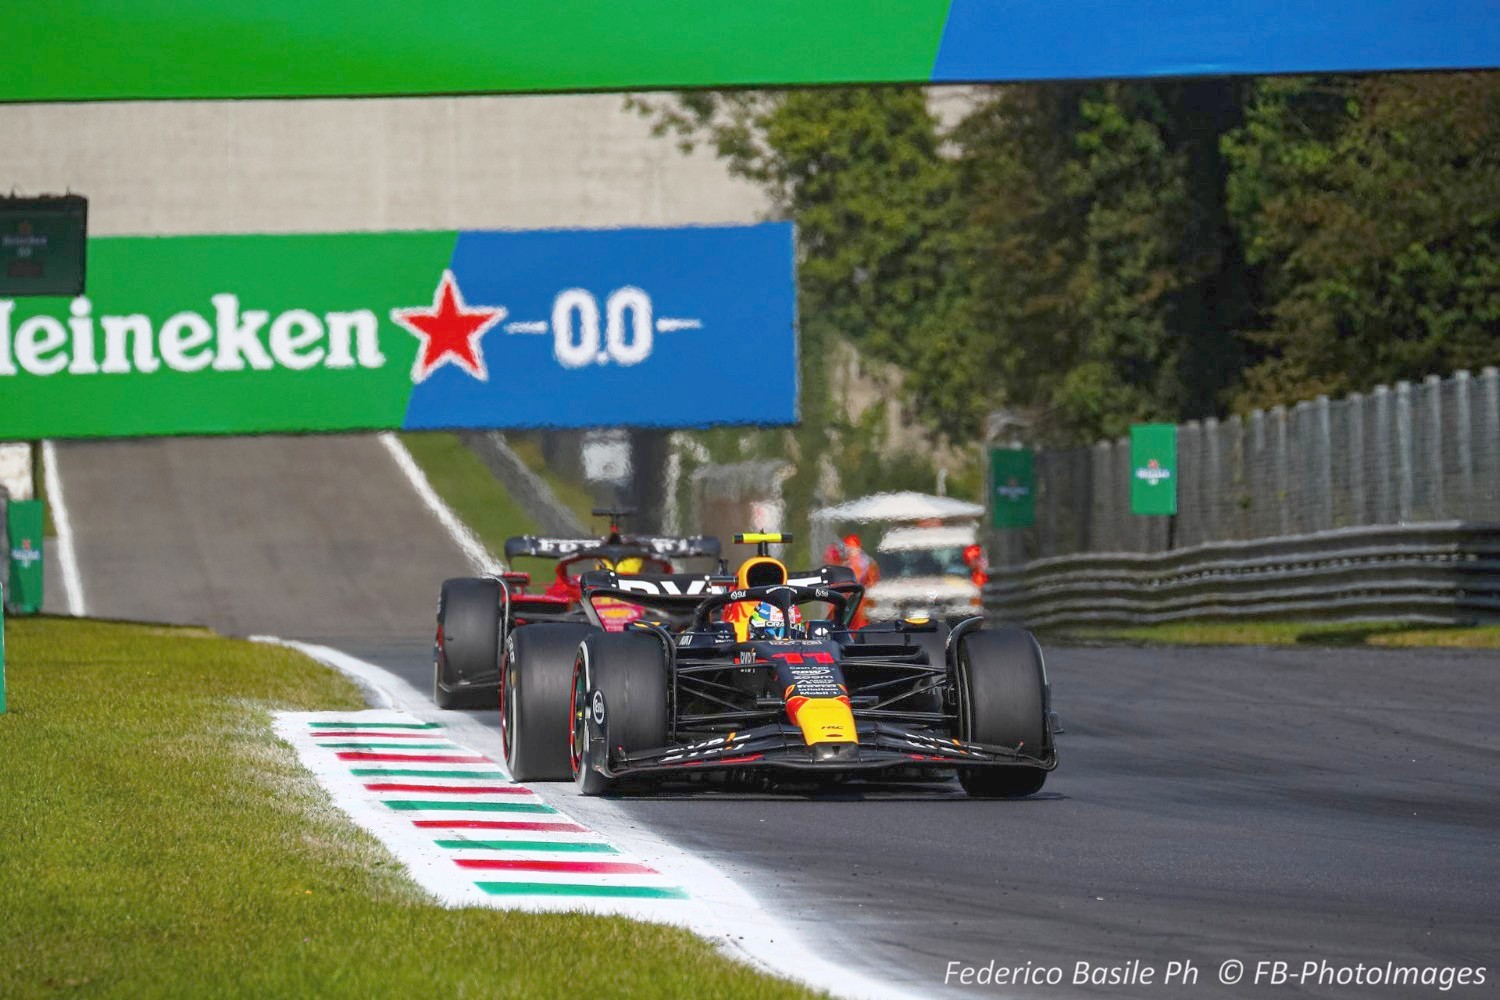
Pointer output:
x,y
23,529
1153,469
478,329
1012,488
69,50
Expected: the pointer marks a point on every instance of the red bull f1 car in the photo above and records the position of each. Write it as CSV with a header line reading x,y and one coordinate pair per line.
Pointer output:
x,y
691,687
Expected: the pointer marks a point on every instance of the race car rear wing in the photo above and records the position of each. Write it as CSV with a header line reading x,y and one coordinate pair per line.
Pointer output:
x,y
661,546
612,601
701,585
676,586
823,576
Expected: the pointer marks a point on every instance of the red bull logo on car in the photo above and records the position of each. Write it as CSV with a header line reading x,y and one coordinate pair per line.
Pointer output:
x,y
481,329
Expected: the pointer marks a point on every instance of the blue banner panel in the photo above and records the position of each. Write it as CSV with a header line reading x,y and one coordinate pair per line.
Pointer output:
x,y
1086,39
620,327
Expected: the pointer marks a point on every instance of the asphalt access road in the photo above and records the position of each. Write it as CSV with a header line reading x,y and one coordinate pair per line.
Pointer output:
x,y
271,535
1211,804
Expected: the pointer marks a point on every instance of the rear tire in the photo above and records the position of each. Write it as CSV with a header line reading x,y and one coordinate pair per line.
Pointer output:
x,y
536,696
1001,687
468,645
629,671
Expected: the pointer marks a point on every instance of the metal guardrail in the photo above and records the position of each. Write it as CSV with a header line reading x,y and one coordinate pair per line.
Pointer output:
x,y
1440,572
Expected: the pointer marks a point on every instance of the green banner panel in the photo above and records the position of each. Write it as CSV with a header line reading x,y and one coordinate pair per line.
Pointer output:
x,y
1153,469
1012,488
23,520
146,49
215,335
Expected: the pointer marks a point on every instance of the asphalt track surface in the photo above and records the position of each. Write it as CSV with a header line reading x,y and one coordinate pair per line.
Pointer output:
x,y
279,535
1245,803
1212,804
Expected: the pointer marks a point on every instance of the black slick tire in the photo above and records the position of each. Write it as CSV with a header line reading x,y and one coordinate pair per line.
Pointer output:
x,y
625,675
1001,688
536,696
468,644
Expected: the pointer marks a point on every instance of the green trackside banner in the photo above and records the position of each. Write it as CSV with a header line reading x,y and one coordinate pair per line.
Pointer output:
x,y
1153,469
23,522
70,50
1012,488
408,330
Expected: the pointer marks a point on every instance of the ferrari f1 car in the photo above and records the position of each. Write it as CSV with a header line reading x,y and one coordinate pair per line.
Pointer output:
x,y
481,620
696,687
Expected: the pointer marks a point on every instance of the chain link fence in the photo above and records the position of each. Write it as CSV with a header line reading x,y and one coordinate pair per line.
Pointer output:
x,y
1403,454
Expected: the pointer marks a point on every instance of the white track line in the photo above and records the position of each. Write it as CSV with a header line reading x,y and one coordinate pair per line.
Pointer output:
x,y
72,580
480,558
724,912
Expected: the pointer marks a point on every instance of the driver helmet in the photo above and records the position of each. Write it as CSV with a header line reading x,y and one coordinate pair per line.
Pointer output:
x,y
767,621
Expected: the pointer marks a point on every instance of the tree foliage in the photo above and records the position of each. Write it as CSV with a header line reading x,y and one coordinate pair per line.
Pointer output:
x,y
860,171
1099,279
1371,207
1088,255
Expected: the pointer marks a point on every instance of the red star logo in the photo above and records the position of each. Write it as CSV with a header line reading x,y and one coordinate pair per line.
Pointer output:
x,y
449,331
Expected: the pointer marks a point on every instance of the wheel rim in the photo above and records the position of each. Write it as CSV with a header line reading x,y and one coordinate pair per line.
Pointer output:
x,y
507,713
965,720
578,730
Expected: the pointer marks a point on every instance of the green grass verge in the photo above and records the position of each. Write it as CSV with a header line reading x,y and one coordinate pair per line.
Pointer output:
x,y
1282,633
575,496
476,496
157,841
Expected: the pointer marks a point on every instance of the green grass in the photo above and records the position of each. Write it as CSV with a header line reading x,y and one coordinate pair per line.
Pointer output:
x,y
156,840
476,496
575,496
1283,633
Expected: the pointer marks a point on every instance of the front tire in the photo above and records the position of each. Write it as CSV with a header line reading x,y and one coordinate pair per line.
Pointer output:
x,y
466,659
619,701
536,693
1002,700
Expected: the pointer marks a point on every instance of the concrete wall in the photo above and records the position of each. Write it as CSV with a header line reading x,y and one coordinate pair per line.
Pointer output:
x,y
15,472
337,165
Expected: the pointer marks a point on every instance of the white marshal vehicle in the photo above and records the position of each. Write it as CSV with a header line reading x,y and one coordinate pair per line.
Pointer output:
x,y
927,570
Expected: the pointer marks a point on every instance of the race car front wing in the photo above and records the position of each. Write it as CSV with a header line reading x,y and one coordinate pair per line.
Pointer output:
x,y
881,746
